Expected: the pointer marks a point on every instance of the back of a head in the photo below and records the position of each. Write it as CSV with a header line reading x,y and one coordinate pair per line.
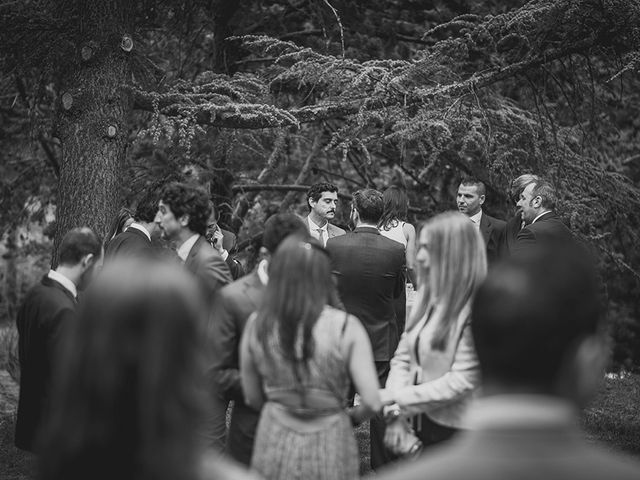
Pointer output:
x,y
531,313
185,199
147,207
280,226
369,204
76,244
126,401
546,192
395,205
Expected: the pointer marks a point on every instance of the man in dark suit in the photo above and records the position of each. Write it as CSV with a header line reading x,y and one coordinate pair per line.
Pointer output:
x,y
515,223
537,202
183,211
46,310
136,240
538,330
232,306
369,270
322,199
470,198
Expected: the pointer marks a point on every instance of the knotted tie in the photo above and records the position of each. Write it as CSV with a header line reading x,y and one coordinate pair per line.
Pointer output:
x,y
323,240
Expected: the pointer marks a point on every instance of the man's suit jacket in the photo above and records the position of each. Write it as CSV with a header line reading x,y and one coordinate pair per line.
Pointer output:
x,y
131,242
332,230
492,231
533,453
208,267
232,306
47,309
511,231
548,229
369,270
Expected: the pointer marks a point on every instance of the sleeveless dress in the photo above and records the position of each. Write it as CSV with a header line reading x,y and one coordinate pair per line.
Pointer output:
x,y
306,433
395,232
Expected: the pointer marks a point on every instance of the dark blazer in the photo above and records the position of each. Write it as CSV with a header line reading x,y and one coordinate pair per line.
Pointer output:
x,y
232,306
229,243
546,230
511,231
492,231
47,309
131,242
369,270
208,267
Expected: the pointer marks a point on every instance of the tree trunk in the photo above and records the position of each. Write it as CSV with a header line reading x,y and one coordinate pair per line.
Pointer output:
x,y
93,131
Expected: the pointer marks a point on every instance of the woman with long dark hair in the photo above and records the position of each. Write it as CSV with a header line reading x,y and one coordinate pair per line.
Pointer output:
x,y
298,358
128,397
434,370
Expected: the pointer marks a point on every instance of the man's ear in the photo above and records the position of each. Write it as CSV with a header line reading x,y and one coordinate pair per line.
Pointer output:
x,y
184,220
88,260
482,197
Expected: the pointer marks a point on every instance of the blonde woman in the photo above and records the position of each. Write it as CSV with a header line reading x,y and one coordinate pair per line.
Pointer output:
x,y
434,370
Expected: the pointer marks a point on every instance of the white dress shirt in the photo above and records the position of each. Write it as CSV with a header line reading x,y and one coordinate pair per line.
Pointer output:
x,y
137,226
64,281
314,231
185,248
476,218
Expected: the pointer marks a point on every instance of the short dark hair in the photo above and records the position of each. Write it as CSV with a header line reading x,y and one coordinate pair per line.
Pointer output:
x,y
474,182
546,192
369,204
185,199
76,244
147,207
280,226
531,311
317,189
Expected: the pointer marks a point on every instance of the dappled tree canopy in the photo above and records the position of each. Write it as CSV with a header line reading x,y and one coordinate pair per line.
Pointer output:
x,y
101,99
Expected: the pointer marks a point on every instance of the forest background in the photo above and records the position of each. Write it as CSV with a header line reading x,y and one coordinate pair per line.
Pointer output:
x,y
255,100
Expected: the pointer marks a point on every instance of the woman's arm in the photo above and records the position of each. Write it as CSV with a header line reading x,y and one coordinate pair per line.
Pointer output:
x,y
249,374
410,253
399,374
362,370
461,379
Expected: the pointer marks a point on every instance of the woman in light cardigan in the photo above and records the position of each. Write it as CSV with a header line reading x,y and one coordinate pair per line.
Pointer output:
x,y
434,370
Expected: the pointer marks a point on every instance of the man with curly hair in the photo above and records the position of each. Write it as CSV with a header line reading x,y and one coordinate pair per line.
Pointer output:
x,y
183,212
322,199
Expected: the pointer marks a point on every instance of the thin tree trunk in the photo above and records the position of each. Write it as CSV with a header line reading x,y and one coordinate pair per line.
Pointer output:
x,y
302,177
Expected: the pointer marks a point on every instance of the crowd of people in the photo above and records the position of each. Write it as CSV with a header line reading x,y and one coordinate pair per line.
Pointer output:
x,y
169,361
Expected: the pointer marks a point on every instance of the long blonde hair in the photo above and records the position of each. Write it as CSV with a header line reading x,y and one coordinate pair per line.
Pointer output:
x,y
457,266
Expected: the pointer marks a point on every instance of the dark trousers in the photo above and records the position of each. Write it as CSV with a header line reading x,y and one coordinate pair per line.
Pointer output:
x,y
432,433
379,454
242,432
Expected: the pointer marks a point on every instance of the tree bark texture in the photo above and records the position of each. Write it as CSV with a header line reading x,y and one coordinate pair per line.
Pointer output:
x,y
93,135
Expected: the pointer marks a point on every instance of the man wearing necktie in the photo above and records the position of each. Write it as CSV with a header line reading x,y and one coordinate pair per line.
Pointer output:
x,y
322,199
41,320
470,198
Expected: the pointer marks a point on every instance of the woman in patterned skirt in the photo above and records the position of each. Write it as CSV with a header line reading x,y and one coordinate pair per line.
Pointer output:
x,y
298,357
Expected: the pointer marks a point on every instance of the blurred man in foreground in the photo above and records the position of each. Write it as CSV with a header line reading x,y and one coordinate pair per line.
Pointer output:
x,y
537,327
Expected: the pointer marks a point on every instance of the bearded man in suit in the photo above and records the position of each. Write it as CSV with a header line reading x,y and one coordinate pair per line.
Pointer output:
x,y
322,199
183,212
369,270
542,226
46,311
538,328
232,306
470,198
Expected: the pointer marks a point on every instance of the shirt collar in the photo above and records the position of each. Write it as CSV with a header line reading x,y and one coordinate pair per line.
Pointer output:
x,y
477,217
313,227
137,226
263,275
543,213
64,281
513,411
185,248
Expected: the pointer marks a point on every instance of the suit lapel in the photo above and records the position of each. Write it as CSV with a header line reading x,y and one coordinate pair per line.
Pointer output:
x,y
485,227
193,253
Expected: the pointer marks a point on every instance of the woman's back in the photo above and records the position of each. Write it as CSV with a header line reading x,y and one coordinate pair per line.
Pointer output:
x,y
395,231
326,375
